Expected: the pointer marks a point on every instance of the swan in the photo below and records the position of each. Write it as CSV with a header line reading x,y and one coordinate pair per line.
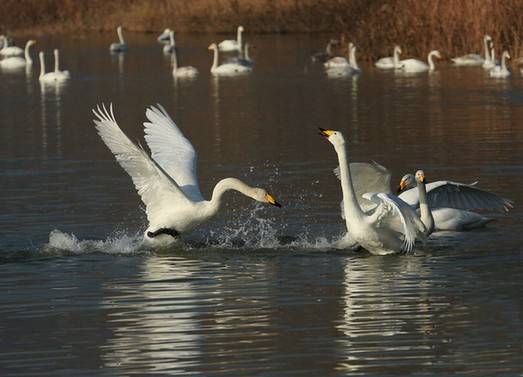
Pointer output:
x,y
8,51
164,37
501,71
373,230
231,44
62,75
441,219
181,72
474,59
390,62
339,61
15,62
171,46
119,46
243,58
415,65
167,181
49,77
323,56
227,69
352,60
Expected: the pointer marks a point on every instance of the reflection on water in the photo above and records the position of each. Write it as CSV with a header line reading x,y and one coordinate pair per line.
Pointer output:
x,y
256,291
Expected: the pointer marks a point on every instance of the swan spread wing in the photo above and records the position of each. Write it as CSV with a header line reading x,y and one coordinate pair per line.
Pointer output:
x,y
153,184
458,195
172,150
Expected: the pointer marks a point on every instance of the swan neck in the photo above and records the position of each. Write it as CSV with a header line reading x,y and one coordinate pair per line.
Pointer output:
x,y
171,39
215,59
120,35
27,55
353,211
396,57
239,38
328,49
352,58
485,44
175,61
246,52
42,65
430,59
503,62
56,61
225,185
425,212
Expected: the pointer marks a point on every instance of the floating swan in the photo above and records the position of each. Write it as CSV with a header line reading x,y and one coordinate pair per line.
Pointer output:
x,y
352,60
441,219
50,77
119,46
181,72
15,62
501,71
243,58
490,61
167,181
323,56
8,51
390,62
62,75
170,48
231,44
374,230
474,59
227,69
164,37
415,65
339,61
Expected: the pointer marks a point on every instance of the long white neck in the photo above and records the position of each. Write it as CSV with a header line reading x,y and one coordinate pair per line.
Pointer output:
x,y
239,38
352,209
493,55
328,49
56,61
171,38
42,64
352,58
504,62
28,59
175,61
4,42
120,35
425,212
225,185
485,44
215,59
430,59
396,56
246,52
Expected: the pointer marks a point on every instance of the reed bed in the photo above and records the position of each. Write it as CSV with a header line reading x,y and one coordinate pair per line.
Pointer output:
x,y
452,26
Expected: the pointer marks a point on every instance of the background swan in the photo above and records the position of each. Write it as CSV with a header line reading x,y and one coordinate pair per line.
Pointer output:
x,y
474,59
171,46
323,56
391,62
415,65
243,57
227,69
49,77
373,230
352,61
15,62
231,44
181,72
164,37
501,71
119,46
8,51
339,61
167,181
62,75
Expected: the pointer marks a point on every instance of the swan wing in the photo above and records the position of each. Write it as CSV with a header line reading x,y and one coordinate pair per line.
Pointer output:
x,y
153,184
172,150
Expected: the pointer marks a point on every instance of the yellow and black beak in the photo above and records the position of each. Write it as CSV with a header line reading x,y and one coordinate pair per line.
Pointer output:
x,y
422,179
402,186
270,199
325,133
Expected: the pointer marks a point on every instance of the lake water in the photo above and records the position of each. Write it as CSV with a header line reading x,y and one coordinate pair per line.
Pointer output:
x,y
259,290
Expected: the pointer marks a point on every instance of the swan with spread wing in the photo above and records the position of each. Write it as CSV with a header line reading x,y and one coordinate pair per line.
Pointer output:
x,y
167,181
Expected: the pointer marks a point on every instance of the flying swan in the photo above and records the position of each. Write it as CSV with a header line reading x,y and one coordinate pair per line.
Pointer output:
x,y
373,230
167,181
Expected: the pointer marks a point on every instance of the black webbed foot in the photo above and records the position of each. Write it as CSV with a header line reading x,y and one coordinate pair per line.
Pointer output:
x,y
169,231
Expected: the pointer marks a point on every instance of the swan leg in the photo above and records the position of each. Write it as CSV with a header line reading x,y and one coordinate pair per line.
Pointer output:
x,y
169,231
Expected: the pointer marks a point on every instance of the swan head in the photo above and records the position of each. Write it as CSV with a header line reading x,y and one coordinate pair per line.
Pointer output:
x,y
119,28
241,29
487,38
406,182
420,176
335,137
260,195
212,46
435,53
397,49
506,54
30,42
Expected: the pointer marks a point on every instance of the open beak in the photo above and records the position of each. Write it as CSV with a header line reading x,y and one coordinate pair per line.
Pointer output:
x,y
270,199
325,133
402,186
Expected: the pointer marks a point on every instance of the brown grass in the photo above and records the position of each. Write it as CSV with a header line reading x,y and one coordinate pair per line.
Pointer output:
x,y
452,26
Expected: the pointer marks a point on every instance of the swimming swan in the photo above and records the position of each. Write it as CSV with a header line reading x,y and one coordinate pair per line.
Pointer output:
x,y
339,61
164,38
62,75
474,59
8,51
415,65
171,46
49,77
15,62
323,56
227,69
231,44
501,71
167,181
181,72
119,46
373,230
390,62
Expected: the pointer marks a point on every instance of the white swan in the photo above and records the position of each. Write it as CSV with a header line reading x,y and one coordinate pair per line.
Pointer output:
x,y
231,44
167,181
181,72
120,46
441,219
415,65
243,58
8,51
501,71
339,61
373,230
164,38
352,60
49,77
227,69
474,59
15,62
62,75
390,62
171,46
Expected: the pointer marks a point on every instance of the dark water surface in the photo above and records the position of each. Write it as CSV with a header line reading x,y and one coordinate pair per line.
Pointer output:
x,y
257,291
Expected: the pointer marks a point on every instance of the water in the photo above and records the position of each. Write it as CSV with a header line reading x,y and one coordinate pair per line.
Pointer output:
x,y
259,290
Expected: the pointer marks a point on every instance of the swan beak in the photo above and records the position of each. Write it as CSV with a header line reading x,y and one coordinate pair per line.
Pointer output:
x,y
402,186
270,199
325,133
422,179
